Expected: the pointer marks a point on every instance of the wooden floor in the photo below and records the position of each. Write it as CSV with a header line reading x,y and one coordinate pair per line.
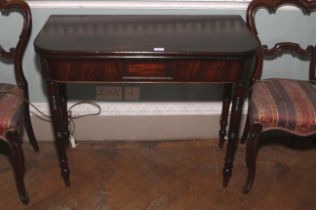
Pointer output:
x,y
178,175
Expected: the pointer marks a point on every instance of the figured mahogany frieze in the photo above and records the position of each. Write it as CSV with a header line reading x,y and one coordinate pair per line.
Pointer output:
x,y
168,71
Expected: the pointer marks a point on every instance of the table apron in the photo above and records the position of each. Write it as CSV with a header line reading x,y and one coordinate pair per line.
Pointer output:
x,y
125,70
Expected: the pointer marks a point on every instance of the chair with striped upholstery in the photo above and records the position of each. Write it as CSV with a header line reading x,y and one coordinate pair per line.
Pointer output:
x,y
14,109
286,105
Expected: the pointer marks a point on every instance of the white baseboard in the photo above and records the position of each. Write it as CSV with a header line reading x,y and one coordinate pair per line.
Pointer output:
x,y
142,108
139,121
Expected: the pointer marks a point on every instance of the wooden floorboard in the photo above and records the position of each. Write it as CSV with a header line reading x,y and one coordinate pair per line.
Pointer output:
x,y
175,175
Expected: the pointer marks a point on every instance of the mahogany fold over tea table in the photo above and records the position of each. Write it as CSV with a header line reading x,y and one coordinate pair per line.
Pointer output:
x,y
146,48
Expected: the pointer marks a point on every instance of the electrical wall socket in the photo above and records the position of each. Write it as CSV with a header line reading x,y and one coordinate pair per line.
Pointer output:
x,y
131,93
109,93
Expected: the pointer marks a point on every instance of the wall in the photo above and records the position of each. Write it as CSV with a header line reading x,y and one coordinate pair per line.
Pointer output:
x,y
179,99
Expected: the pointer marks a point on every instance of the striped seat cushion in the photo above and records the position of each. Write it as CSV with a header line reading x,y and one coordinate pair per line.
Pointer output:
x,y
284,104
11,109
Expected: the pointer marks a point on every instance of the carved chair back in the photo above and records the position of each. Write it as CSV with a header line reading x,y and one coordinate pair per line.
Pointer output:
x,y
306,6
15,54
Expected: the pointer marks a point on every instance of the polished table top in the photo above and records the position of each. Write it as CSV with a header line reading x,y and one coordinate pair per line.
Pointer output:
x,y
84,35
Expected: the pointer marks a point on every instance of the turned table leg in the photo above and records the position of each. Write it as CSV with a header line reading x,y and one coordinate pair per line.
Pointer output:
x,y
237,104
224,114
57,108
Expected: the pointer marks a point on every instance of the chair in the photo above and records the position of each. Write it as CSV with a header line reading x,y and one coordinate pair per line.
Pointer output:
x,y
284,105
14,109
